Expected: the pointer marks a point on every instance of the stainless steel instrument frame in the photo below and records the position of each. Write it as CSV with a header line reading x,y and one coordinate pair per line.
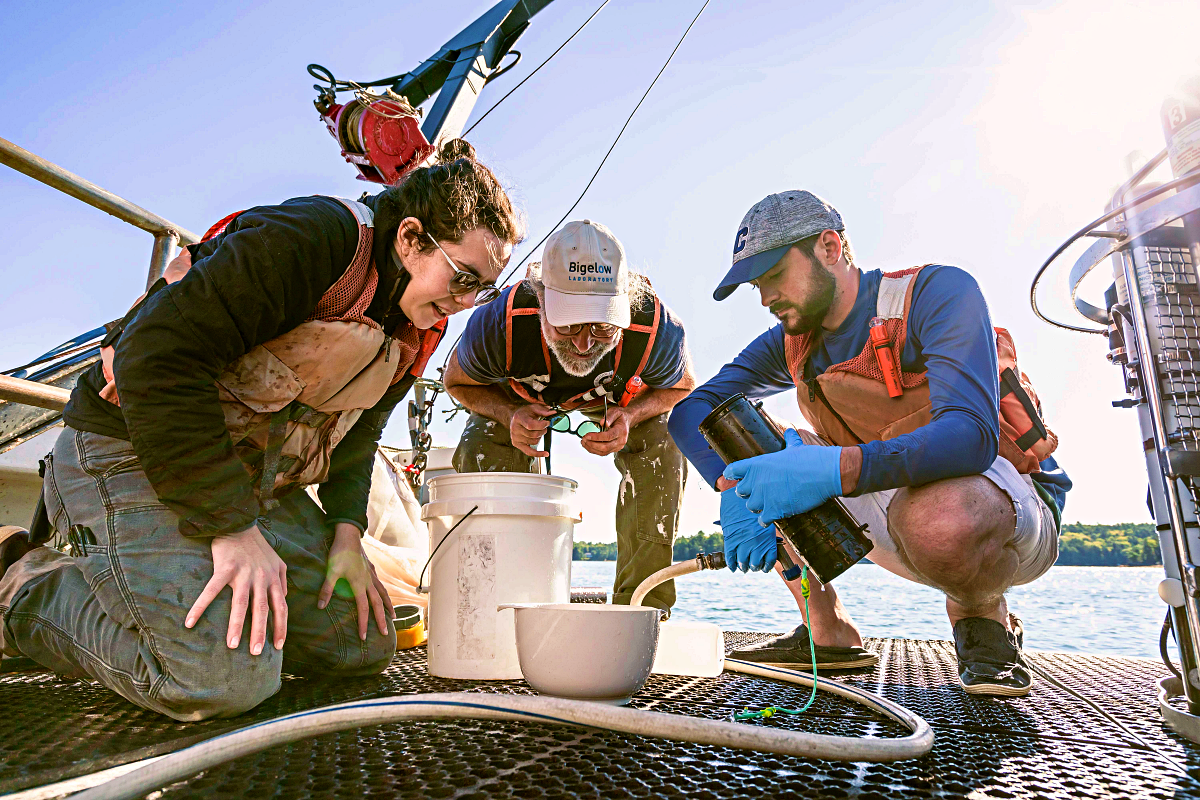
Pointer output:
x,y
1151,316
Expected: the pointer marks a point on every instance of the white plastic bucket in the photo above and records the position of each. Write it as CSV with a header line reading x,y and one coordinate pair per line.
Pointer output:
x,y
507,485
440,461
515,548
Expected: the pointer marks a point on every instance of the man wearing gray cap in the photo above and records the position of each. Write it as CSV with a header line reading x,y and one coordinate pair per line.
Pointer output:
x,y
957,490
582,333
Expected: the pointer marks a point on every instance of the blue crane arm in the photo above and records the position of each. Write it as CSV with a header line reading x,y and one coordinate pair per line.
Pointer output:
x,y
463,65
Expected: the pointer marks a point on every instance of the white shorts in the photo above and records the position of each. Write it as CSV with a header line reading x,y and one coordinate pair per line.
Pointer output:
x,y
1035,538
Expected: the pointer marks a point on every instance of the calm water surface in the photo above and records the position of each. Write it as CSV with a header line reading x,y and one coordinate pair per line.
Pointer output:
x,y
1077,609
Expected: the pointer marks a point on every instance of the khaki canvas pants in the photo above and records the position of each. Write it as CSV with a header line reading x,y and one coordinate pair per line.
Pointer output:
x,y
115,612
653,472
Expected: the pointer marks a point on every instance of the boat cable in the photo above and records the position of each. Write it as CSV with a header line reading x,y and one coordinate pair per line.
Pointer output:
x,y
611,147
1178,183
534,72
503,281
1045,675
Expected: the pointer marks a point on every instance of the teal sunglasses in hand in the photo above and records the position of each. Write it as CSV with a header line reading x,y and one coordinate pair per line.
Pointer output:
x,y
561,423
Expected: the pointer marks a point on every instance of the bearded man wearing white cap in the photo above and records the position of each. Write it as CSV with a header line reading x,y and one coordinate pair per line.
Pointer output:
x,y
582,333
952,476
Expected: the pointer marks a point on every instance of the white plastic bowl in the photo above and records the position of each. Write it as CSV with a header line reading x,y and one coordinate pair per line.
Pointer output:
x,y
586,651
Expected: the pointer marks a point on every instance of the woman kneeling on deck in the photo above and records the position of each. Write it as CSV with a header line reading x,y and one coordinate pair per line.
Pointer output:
x,y
269,358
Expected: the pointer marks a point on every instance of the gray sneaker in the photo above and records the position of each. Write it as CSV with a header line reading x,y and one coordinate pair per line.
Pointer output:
x,y
989,657
791,651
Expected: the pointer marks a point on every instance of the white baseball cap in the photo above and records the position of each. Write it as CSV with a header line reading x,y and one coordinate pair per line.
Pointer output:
x,y
584,272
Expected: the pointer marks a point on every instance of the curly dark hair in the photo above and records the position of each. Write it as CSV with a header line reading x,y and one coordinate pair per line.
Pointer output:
x,y
451,198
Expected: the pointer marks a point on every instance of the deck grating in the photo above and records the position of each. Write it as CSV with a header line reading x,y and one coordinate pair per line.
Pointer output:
x,y
1048,745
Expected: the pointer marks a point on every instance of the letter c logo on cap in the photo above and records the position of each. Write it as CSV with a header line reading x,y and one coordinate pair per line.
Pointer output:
x,y
739,242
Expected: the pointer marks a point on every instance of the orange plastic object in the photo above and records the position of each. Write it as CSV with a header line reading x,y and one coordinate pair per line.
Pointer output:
x,y
886,357
411,637
410,626
632,389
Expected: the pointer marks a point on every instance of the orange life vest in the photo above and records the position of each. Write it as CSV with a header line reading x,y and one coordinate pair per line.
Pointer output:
x,y
531,375
848,403
289,401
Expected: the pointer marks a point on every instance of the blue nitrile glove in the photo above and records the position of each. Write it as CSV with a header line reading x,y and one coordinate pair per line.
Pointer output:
x,y
747,543
794,480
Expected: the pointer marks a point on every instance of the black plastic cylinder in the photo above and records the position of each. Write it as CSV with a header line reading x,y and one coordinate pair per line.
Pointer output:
x,y
828,537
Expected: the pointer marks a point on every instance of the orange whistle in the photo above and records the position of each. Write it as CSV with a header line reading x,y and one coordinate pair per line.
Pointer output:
x,y
886,357
632,389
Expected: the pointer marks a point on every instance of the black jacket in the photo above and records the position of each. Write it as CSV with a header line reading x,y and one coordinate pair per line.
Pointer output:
x,y
259,279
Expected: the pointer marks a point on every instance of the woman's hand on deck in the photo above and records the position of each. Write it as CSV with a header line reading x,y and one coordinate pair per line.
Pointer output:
x,y
251,569
348,562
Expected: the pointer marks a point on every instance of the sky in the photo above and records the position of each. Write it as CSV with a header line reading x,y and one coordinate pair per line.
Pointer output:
x,y
969,133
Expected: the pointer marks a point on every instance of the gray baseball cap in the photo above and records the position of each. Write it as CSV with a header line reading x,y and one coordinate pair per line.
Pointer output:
x,y
769,228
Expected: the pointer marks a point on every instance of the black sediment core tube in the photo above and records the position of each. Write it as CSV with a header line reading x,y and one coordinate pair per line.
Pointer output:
x,y
828,537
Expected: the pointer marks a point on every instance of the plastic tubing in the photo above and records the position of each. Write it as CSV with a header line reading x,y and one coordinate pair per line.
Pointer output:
x,y
552,710
662,576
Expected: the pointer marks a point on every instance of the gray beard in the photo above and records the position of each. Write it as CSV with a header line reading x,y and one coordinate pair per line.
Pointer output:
x,y
572,363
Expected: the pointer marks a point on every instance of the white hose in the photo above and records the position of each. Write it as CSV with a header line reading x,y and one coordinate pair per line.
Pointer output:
x,y
553,710
921,736
662,576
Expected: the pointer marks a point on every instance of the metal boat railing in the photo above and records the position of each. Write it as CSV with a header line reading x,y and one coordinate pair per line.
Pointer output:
x,y
167,236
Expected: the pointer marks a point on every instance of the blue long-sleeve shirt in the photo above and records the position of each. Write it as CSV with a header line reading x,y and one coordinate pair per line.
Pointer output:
x,y
950,336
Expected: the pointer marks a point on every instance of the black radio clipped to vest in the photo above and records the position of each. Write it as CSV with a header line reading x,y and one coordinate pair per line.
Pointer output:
x,y
828,537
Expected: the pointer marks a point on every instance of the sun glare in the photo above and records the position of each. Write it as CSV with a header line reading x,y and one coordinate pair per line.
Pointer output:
x,y
1080,87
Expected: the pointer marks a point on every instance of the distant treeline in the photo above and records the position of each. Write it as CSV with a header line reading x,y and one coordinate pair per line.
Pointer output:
x,y
1125,545
1079,545
685,547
